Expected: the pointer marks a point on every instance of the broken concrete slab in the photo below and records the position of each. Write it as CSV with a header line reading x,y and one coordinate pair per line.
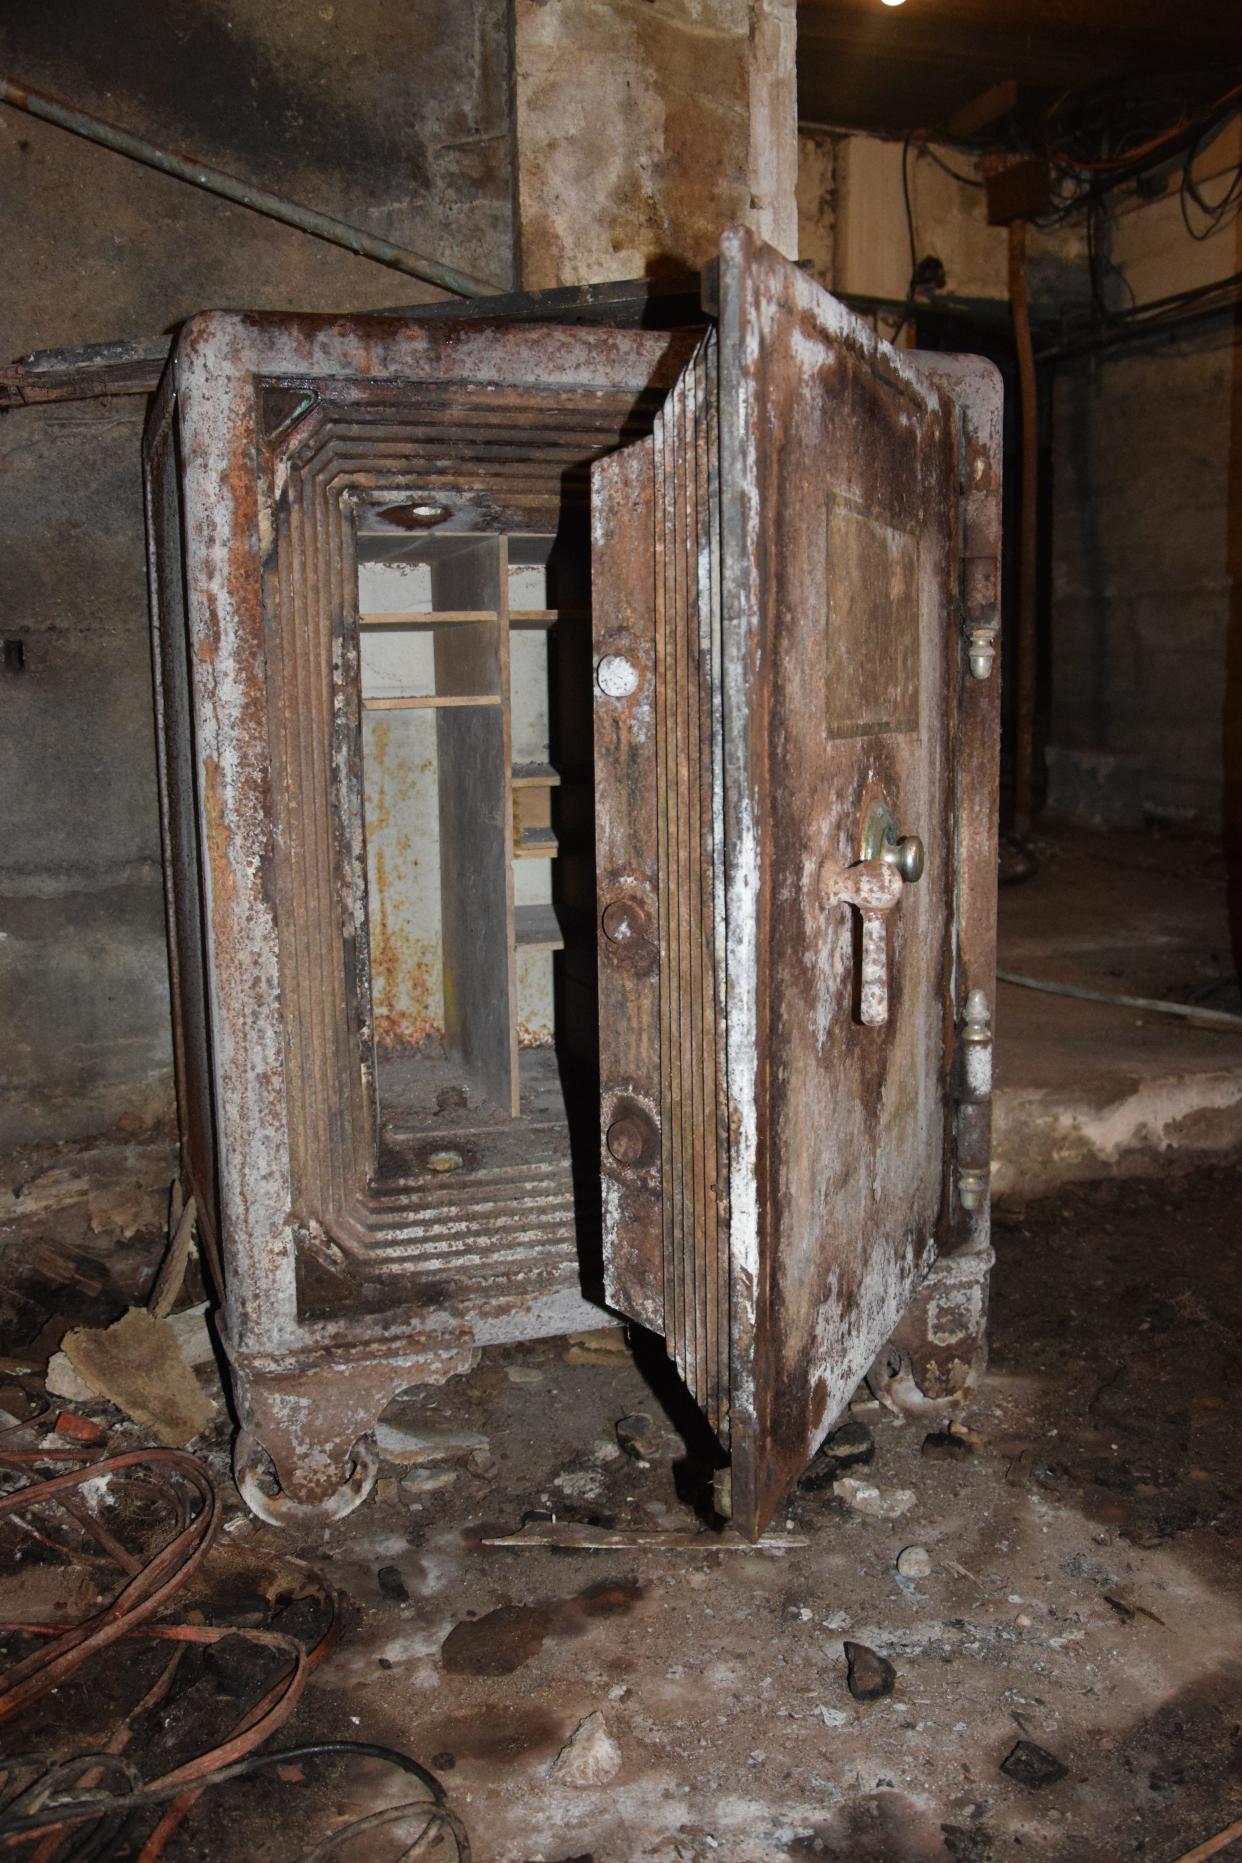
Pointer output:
x,y
412,1443
607,1346
589,1757
63,1379
137,1365
192,1333
865,1497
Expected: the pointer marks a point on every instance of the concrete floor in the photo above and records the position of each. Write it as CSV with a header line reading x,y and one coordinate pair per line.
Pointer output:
x,y
1083,1594
1085,1089
1083,1546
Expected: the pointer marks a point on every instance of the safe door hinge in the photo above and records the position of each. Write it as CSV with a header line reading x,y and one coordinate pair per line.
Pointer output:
x,y
974,1097
981,570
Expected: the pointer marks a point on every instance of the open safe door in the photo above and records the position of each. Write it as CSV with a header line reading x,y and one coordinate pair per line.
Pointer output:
x,y
795,741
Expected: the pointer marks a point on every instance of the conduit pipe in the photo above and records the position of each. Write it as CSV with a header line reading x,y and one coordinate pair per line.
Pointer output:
x,y
230,188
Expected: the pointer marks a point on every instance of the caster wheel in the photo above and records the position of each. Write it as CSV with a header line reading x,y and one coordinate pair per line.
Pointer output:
x,y
277,1509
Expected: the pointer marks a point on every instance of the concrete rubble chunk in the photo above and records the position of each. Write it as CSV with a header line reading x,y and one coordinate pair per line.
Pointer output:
x,y
879,1503
589,1757
850,1443
411,1443
638,1436
608,1346
424,1480
193,1336
63,1379
137,1365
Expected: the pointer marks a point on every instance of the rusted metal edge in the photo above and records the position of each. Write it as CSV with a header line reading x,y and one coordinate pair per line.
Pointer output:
x,y
133,365
130,366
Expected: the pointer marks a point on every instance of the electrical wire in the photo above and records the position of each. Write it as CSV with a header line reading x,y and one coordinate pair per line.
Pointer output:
x,y
16,1829
145,1590
1190,1012
967,181
1153,316
1217,213
1155,144
42,1809
908,307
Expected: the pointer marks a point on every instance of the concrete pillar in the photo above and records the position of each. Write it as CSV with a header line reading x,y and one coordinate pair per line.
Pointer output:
x,y
645,127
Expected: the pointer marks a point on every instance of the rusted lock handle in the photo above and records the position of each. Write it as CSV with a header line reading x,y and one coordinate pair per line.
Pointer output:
x,y
873,885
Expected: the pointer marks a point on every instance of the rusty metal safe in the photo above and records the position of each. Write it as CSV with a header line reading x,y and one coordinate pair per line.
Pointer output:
x,y
578,768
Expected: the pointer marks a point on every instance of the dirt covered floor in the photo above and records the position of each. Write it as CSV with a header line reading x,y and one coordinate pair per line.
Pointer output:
x,y
1081,1595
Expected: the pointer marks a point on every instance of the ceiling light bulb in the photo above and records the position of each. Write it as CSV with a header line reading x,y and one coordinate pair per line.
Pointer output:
x,y
892,2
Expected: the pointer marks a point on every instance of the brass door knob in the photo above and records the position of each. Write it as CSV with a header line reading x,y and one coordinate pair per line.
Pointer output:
x,y
880,841
907,855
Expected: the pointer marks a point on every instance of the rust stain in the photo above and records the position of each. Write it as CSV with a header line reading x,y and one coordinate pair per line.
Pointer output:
x,y
531,1036
497,1643
406,1010
498,1732
216,833
403,971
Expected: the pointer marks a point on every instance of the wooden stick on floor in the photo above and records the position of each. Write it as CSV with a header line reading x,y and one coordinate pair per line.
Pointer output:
x,y
1213,1846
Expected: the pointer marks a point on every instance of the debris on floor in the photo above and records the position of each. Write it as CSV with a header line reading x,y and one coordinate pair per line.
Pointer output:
x,y
410,1444
869,1677
137,1364
589,1757
1033,1765
914,1562
868,1498
1080,1599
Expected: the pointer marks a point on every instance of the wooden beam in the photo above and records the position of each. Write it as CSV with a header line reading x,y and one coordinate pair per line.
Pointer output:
x,y
990,106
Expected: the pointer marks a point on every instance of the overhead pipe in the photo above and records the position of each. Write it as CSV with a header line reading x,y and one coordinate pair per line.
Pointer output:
x,y
228,187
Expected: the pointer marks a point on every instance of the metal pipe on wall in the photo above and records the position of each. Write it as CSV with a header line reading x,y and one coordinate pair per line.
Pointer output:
x,y
1025,658
244,193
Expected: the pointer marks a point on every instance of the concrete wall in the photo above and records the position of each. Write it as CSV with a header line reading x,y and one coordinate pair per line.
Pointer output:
x,y
396,117
1147,488
853,227
644,130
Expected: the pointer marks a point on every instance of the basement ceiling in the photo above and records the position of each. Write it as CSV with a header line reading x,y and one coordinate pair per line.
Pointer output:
x,y
864,65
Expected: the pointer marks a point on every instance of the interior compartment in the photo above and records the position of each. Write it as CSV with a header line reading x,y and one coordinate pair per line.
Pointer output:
x,y
474,653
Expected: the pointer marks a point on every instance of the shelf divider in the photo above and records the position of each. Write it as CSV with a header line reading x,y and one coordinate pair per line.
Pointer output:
x,y
538,928
429,701
426,617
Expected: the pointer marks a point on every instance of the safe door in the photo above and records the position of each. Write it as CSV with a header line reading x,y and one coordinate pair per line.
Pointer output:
x,y
794,601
